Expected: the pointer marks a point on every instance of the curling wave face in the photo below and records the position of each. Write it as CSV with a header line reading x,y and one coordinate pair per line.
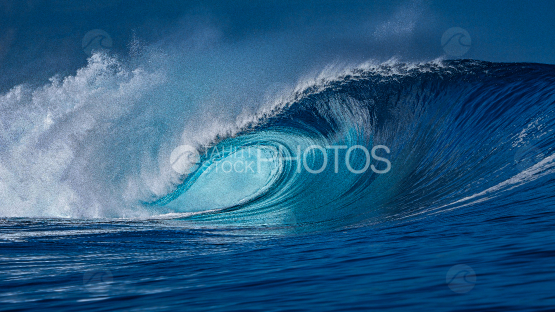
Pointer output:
x,y
451,133
457,133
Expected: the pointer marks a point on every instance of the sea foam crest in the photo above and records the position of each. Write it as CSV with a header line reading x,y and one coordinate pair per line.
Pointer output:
x,y
50,133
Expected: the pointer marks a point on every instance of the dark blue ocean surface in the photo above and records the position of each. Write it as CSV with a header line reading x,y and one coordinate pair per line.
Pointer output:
x,y
175,265
277,156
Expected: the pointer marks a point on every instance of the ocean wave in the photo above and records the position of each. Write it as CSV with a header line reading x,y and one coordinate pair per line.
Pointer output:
x,y
93,145
456,130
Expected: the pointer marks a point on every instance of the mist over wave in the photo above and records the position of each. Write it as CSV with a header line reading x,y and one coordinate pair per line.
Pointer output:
x,y
97,143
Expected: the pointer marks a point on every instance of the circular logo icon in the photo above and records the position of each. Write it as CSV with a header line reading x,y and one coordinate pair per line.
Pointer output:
x,y
97,280
461,278
456,41
184,159
96,40
526,157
